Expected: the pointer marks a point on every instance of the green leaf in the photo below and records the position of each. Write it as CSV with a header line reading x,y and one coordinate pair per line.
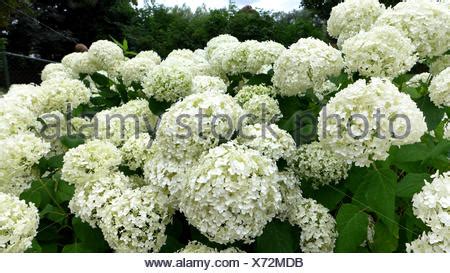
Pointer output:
x,y
277,237
100,79
351,225
409,153
377,193
433,114
329,195
414,93
72,141
64,191
41,192
53,213
385,240
158,107
411,184
78,248
89,237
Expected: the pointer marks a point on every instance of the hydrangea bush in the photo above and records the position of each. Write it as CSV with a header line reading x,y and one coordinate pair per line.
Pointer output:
x,y
241,146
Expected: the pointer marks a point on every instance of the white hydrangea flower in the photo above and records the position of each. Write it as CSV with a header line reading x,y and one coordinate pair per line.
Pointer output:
x,y
201,84
419,79
136,151
363,120
58,93
55,70
431,242
14,117
351,16
263,109
217,42
118,124
91,198
432,203
134,70
106,55
248,57
136,221
149,55
380,52
18,224
197,123
439,90
197,247
162,171
248,91
440,64
423,22
195,63
79,63
18,154
319,165
317,225
90,161
269,140
233,188
25,96
312,55
168,82
220,58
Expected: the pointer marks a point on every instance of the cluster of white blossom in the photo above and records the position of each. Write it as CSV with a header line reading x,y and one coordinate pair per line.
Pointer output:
x,y
58,93
432,203
18,224
235,189
197,247
90,161
317,225
352,16
55,70
18,154
441,63
136,220
250,56
432,206
363,120
262,109
93,196
136,151
248,91
118,124
269,140
439,89
134,70
306,65
319,165
419,79
79,63
380,52
106,55
202,84
421,21
197,123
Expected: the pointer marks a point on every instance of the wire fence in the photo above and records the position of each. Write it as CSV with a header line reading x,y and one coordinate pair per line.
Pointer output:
x,y
19,69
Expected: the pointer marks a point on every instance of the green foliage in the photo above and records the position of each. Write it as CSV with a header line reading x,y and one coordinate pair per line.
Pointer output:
x,y
351,224
278,237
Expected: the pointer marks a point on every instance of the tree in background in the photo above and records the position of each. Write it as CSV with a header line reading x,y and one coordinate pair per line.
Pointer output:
x,y
51,28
